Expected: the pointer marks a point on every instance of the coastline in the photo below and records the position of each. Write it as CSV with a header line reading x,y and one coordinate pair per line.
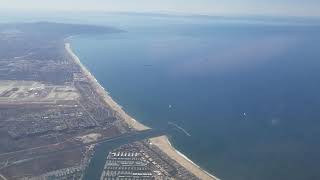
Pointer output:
x,y
105,94
161,142
164,144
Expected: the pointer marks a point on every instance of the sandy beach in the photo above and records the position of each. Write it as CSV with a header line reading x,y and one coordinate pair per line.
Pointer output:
x,y
161,142
164,144
103,93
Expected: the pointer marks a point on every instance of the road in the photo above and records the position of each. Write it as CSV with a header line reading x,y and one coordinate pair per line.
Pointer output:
x,y
112,143
2,177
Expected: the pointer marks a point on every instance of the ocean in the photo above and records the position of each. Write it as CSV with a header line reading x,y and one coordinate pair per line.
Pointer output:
x,y
244,93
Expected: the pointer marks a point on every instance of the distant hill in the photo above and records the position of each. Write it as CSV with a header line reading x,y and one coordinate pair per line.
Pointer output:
x,y
55,30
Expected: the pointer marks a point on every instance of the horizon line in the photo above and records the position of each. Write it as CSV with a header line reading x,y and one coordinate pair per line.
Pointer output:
x,y
159,13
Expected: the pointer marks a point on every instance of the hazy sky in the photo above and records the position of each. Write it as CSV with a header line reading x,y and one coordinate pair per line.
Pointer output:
x,y
265,7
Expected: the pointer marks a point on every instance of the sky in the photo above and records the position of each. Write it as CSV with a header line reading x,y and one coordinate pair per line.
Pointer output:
x,y
207,7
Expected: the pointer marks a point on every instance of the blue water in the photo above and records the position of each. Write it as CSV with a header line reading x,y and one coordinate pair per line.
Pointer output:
x,y
247,92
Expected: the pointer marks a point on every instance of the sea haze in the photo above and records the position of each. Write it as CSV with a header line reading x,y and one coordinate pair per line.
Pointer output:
x,y
247,92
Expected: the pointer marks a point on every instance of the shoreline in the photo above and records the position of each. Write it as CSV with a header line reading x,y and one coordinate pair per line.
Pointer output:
x,y
161,142
105,94
164,144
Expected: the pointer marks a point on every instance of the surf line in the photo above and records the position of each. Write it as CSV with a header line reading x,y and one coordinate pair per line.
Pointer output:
x,y
180,128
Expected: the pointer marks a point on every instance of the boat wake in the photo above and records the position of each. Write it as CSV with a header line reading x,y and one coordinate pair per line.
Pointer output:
x,y
180,128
